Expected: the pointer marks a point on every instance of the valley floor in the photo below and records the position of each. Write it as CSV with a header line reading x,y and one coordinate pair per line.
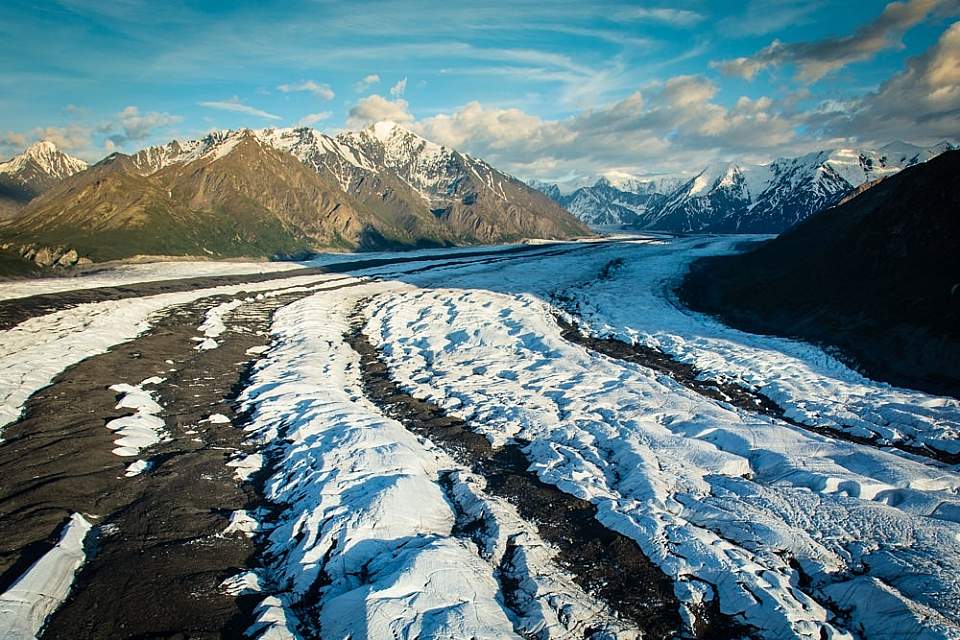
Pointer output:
x,y
530,441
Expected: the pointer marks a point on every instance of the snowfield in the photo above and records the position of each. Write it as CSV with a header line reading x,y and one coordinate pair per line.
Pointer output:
x,y
362,531
361,507
124,274
712,495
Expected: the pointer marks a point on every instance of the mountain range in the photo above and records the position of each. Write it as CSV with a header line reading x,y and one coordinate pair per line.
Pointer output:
x,y
277,192
737,197
877,276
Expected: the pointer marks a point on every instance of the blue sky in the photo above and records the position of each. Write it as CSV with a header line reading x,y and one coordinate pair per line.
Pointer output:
x,y
544,89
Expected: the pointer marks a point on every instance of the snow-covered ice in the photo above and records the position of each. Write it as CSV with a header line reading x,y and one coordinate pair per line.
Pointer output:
x,y
347,467
635,303
246,465
26,605
33,352
241,521
364,511
214,323
125,274
710,493
798,534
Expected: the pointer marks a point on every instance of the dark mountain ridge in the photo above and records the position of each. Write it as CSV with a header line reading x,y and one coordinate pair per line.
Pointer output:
x,y
877,277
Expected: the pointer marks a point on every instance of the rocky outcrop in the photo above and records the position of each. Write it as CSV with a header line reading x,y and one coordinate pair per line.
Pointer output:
x,y
47,257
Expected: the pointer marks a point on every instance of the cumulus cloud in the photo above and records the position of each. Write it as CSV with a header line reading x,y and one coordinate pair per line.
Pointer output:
x,y
816,58
12,143
313,118
399,89
366,82
320,90
234,104
375,108
921,103
671,125
132,126
88,141
75,139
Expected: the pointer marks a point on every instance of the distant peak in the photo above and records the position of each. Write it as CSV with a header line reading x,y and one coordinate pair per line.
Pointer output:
x,y
44,155
41,147
383,129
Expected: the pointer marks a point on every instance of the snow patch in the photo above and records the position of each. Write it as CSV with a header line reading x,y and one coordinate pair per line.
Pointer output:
x,y
142,429
26,605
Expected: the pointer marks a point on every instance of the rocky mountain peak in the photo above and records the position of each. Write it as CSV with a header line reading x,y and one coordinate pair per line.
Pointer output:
x,y
45,157
731,197
40,148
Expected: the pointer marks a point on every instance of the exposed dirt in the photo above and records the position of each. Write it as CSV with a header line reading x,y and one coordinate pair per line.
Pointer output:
x,y
606,564
160,556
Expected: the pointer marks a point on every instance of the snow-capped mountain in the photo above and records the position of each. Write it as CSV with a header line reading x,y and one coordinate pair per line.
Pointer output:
x,y
742,198
287,192
400,174
43,158
39,167
603,204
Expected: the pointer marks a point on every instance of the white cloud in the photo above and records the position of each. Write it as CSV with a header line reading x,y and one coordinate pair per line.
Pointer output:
x,y
132,126
920,104
366,82
234,104
75,139
88,141
666,126
817,58
12,143
676,17
375,108
399,89
313,118
320,90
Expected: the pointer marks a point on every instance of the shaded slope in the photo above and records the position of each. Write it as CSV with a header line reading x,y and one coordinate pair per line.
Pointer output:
x,y
876,276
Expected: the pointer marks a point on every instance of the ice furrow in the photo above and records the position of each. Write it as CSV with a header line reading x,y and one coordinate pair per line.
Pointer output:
x,y
662,464
364,519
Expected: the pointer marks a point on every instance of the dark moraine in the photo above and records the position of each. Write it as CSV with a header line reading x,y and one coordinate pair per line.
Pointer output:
x,y
603,562
156,569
